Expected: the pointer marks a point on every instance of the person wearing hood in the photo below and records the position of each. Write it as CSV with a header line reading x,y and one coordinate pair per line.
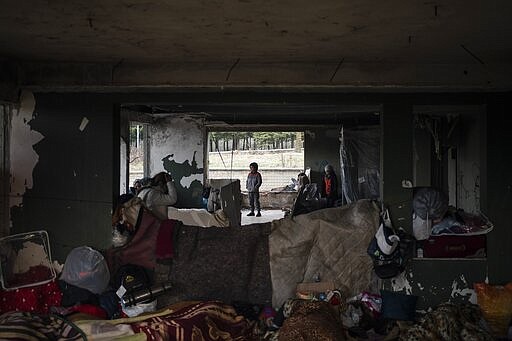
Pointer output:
x,y
160,193
329,185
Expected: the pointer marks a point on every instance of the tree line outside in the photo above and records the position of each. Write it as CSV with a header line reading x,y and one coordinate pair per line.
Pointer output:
x,y
226,141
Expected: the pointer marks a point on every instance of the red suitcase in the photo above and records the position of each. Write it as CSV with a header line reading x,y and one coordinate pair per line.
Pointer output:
x,y
455,246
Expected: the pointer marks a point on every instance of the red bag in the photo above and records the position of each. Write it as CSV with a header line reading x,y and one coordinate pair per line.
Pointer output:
x,y
455,246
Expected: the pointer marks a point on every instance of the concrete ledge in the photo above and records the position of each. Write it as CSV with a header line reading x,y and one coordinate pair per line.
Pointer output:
x,y
282,200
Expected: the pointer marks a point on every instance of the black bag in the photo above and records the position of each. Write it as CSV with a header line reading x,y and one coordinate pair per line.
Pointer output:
x,y
132,277
390,265
385,266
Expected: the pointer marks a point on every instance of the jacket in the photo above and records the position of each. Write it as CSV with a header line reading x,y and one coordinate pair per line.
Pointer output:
x,y
253,182
157,201
333,188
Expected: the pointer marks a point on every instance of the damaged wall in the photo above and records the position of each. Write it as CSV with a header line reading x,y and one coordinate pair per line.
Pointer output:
x,y
76,175
441,280
176,146
321,147
23,157
469,155
61,170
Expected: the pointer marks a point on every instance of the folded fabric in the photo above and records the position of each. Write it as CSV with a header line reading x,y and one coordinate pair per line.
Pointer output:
x,y
463,223
198,217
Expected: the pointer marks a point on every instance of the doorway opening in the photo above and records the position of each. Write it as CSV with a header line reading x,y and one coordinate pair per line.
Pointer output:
x,y
280,156
138,163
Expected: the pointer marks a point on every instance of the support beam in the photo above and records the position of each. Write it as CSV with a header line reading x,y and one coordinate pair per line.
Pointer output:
x,y
397,162
360,76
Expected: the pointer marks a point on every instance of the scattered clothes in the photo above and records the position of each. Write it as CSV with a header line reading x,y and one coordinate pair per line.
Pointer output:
x,y
449,322
140,250
309,320
462,223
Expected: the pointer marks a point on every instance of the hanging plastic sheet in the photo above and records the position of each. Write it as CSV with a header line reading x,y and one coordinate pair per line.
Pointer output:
x,y
360,163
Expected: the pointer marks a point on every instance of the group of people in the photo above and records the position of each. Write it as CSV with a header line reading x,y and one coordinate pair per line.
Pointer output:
x,y
328,189
159,192
310,197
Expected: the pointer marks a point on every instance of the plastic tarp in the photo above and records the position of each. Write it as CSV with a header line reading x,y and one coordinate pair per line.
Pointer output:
x,y
330,243
360,163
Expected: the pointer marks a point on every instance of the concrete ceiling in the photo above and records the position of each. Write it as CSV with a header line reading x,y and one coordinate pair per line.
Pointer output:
x,y
332,33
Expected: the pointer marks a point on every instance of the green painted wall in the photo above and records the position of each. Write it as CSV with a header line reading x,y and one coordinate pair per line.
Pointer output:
x,y
76,177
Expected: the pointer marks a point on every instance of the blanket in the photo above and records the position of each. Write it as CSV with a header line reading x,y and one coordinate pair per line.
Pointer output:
x,y
199,321
141,249
329,244
227,264
28,326
183,321
449,322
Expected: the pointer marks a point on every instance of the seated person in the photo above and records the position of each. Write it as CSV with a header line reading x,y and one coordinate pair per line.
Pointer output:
x,y
307,199
159,194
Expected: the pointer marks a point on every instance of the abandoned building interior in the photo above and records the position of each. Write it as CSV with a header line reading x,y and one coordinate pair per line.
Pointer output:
x,y
402,98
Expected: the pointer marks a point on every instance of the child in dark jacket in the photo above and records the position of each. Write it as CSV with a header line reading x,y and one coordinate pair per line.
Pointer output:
x,y
253,187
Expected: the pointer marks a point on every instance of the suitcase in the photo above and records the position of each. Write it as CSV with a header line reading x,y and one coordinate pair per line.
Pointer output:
x,y
455,246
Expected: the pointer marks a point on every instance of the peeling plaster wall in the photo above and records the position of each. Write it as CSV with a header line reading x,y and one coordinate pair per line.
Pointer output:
x,y
176,146
23,157
441,280
63,183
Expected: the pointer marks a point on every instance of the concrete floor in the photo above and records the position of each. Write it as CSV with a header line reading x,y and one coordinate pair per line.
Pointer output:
x,y
266,216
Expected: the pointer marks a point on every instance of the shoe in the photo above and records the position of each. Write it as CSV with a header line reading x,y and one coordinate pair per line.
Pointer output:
x,y
250,214
258,214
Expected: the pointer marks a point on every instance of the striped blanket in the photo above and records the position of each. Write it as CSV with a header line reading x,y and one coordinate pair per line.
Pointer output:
x,y
28,326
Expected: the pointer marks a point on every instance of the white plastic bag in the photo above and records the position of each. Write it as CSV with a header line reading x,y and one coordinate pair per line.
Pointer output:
x,y
420,227
86,268
136,310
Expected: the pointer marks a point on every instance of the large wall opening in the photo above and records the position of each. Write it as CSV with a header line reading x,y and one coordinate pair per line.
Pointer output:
x,y
279,154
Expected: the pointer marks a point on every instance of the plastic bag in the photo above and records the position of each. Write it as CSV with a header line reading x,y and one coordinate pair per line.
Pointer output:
x,y
87,269
421,228
140,308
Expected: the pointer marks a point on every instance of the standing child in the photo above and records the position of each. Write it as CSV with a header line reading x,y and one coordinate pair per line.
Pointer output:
x,y
253,187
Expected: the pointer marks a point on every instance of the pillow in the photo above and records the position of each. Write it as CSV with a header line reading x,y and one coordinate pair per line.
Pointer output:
x,y
430,203
496,304
398,306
